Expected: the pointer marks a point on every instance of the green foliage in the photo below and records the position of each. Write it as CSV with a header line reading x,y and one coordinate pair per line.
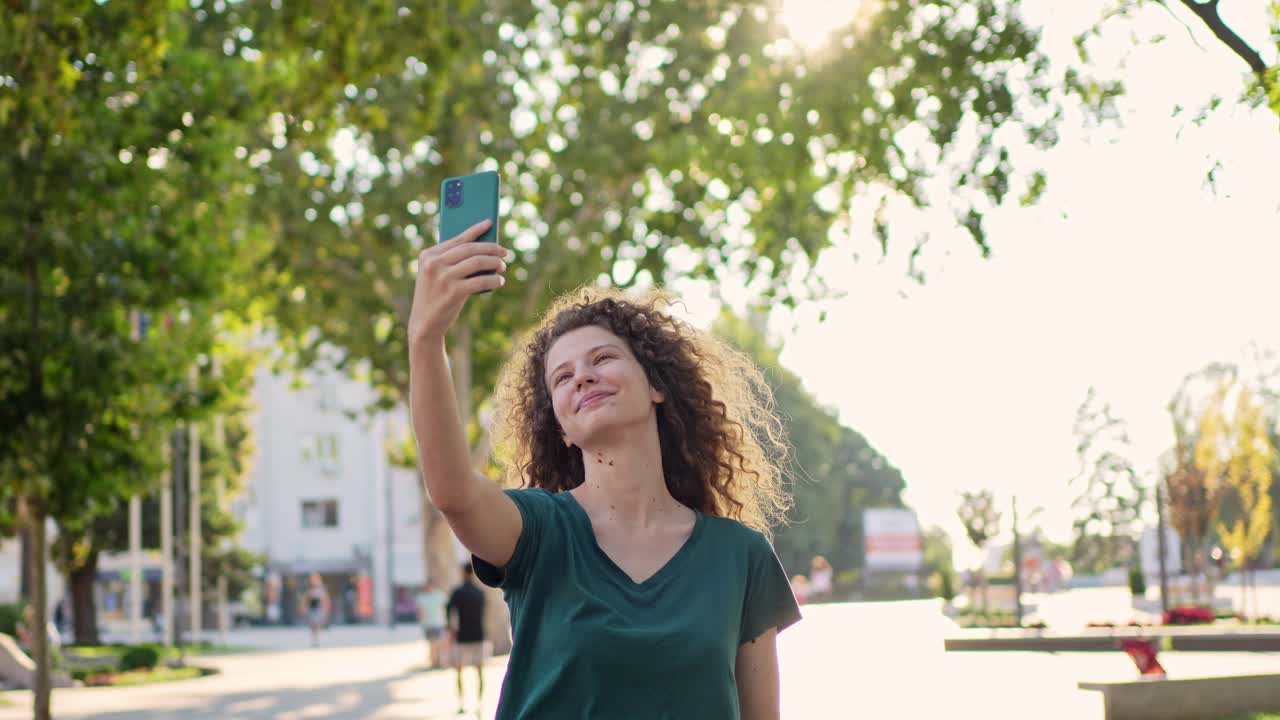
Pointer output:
x,y
10,614
945,587
837,473
938,564
1137,582
123,179
635,143
85,671
138,656
126,173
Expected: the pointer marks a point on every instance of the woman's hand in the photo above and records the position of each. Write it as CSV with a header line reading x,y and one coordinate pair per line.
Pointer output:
x,y
444,281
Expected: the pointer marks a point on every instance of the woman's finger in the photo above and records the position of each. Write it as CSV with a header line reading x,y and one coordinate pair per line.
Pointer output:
x,y
467,235
482,283
455,254
476,264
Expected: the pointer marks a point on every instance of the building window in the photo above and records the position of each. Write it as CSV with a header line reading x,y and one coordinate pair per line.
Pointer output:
x,y
322,450
319,513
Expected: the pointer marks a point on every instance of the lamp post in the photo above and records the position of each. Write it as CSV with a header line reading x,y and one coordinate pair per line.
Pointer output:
x,y
1017,565
1160,548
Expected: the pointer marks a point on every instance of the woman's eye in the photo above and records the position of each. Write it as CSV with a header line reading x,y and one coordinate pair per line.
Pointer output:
x,y
560,378
602,358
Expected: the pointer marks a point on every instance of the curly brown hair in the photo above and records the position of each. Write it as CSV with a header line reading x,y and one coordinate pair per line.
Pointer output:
x,y
723,446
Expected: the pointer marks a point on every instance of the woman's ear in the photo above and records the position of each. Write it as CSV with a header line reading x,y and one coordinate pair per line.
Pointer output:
x,y
656,396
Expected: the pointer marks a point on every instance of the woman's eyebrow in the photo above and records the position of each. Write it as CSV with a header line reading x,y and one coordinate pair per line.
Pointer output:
x,y
556,369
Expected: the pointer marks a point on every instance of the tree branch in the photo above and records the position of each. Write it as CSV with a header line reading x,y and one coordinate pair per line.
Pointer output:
x,y
1207,11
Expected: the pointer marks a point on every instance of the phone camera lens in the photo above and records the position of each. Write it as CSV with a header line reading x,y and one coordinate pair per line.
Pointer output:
x,y
453,193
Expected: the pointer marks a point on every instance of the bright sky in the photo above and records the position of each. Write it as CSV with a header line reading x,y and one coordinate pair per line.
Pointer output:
x,y
1127,276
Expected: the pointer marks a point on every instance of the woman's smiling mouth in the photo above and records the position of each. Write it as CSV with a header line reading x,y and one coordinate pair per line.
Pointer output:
x,y
593,398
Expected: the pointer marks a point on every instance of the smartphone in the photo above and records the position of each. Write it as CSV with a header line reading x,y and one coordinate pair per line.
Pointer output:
x,y
467,200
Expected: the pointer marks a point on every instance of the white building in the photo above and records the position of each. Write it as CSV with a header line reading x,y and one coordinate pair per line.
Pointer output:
x,y
11,569
323,498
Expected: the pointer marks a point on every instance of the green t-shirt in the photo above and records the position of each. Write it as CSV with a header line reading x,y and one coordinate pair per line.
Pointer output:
x,y
589,642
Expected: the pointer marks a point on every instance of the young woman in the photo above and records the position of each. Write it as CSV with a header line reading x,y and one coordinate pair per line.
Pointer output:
x,y
316,606
635,559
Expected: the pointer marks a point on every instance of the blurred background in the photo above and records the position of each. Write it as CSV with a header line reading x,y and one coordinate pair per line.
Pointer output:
x,y
1010,268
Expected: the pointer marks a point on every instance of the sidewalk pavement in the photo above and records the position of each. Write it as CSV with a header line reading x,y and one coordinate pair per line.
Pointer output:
x,y
282,637
383,681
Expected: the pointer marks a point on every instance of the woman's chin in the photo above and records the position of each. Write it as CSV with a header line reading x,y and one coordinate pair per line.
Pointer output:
x,y
606,433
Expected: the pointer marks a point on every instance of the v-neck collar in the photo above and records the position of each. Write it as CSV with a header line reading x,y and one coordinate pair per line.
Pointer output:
x,y
584,525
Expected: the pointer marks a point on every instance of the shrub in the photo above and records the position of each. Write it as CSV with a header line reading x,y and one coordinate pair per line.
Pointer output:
x,y
1189,615
1137,583
85,672
10,613
138,656
947,586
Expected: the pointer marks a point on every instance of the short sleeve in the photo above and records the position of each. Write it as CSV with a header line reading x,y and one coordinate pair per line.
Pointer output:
x,y
536,506
769,601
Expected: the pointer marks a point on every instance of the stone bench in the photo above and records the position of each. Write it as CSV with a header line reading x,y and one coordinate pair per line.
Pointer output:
x,y
17,669
1189,699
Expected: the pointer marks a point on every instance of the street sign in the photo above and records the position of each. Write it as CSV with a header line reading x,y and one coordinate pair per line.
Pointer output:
x,y
892,540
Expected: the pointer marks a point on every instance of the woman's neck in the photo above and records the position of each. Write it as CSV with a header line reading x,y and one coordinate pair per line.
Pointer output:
x,y
625,481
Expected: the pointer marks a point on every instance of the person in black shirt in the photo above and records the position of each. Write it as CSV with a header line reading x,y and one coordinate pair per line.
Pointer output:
x,y
466,623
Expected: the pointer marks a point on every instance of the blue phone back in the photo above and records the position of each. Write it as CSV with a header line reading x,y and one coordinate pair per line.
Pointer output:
x,y
465,201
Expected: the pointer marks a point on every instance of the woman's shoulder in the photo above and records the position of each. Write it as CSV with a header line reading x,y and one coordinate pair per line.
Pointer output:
x,y
539,501
727,529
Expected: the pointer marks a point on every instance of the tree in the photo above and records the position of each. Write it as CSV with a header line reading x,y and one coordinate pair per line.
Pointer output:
x,y
1262,87
1189,508
123,126
1243,442
938,563
635,143
224,466
88,231
1264,380
981,521
836,473
1111,495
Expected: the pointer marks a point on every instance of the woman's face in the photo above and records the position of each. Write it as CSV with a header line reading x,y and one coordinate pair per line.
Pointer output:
x,y
597,386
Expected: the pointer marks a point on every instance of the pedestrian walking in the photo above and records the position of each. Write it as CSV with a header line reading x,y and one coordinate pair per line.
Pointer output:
x,y
634,554
317,607
466,625
431,616
820,577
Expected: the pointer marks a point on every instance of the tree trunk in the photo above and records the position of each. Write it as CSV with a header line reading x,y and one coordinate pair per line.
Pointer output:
x,y
36,513
496,620
441,561
1253,583
24,553
1244,589
84,610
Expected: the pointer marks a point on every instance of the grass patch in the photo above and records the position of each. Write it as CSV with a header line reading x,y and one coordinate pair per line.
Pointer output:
x,y
973,618
156,675
112,652
119,664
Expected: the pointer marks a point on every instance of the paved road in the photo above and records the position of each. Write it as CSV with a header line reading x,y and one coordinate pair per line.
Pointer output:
x,y
842,661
